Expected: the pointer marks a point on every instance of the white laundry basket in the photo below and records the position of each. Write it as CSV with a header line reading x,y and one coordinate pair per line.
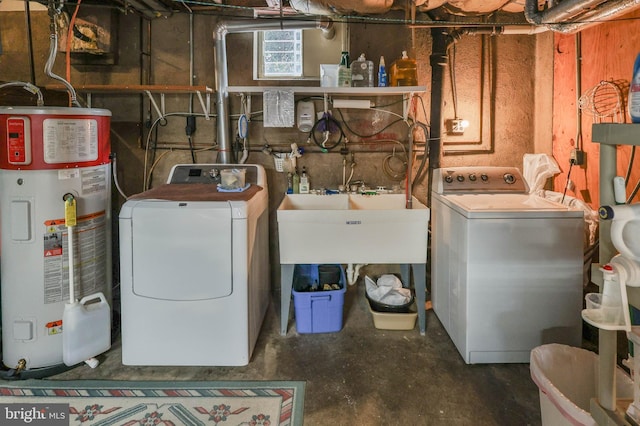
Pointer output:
x,y
567,380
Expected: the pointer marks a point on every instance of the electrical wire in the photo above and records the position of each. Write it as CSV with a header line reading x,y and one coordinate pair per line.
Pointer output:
x,y
114,169
452,77
346,125
564,193
163,122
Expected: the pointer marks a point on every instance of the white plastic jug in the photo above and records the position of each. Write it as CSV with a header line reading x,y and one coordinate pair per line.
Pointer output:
x,y
86,329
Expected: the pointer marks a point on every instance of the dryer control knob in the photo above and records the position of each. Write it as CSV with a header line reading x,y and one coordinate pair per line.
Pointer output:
x,y
460,178
472,177
484,177
509,178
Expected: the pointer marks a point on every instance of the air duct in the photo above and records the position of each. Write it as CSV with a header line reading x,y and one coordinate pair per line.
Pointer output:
x,y
222,74
571,16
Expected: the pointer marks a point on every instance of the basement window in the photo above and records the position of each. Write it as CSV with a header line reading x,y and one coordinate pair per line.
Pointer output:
x,y
295,54
282,53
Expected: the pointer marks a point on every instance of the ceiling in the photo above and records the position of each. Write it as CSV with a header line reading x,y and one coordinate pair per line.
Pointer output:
x,y
567,16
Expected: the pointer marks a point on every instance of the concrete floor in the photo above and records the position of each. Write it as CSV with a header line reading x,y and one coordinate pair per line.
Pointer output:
x,y
365,376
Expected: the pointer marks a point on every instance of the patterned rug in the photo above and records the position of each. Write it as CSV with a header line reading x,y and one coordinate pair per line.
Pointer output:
x,y
121,403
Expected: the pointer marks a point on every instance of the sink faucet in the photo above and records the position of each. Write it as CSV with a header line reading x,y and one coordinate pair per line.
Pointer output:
x,y
412,128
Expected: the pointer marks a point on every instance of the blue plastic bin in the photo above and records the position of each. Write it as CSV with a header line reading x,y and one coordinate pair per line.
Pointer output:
x,y
317,311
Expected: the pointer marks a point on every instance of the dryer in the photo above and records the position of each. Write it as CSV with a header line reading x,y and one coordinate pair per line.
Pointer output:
x,y
194,267
506,265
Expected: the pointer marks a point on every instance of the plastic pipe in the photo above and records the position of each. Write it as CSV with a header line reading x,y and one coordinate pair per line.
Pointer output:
x,y
353,272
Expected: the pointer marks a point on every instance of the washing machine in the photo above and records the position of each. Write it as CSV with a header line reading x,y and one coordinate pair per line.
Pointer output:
x,y
194,267
506,272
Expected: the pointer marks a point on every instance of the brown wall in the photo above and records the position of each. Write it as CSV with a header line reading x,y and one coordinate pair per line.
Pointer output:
x,y
608,52
158,53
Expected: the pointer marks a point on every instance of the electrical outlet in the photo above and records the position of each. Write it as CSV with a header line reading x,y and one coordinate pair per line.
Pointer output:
x,y
577,157
456,126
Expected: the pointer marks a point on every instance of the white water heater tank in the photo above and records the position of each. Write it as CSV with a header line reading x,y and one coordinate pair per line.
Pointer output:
x,y
45,153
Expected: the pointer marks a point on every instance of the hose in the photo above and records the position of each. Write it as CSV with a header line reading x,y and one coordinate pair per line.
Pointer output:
x,y
28,87
324,125
53,49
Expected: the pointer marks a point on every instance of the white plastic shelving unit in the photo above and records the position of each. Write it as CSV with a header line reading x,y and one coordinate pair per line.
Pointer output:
x,y
604,408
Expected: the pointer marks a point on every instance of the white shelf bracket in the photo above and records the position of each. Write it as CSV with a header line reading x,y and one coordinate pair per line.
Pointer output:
x,y
406,103
159,111
206,108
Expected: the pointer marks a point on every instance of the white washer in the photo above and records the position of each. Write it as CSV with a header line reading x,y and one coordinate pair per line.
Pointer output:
x,y
506,266
194,269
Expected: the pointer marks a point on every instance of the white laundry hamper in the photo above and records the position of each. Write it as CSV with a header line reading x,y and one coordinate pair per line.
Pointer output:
x,y
567,379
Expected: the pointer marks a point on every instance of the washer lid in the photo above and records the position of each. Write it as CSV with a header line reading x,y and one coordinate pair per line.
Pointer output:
x,y
508,206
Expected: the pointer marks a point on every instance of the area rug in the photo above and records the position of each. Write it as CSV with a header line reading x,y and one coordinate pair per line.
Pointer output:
x,y
122,403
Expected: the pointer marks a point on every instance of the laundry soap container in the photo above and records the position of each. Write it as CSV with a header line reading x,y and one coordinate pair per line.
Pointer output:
x,y
362,72
318,297
403,72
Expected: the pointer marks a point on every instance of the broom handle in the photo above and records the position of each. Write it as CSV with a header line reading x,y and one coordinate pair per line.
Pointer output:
x,y
72,296
70,221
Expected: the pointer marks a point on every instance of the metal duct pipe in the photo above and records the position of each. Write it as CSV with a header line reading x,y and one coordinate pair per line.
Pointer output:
x,y
566,11
222,74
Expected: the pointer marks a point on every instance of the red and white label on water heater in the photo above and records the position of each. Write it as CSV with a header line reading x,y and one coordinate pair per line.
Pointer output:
x,y
19,140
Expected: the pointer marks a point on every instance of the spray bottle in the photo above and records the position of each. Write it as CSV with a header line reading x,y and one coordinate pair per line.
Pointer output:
x,y
382,73
634,92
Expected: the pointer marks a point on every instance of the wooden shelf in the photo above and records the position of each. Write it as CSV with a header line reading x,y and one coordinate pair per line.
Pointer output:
x,y
133,88
149,90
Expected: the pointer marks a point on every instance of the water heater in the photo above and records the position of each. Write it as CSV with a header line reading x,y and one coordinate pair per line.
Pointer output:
x,y
45,153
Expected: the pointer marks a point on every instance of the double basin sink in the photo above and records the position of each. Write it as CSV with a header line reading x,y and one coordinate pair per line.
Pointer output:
x,y
352,228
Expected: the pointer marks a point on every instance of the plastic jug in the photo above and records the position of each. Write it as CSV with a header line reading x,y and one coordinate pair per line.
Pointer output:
x,y
86,329
404,71
362,72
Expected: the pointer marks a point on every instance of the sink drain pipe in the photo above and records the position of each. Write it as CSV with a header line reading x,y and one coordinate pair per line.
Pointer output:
x,y
225,27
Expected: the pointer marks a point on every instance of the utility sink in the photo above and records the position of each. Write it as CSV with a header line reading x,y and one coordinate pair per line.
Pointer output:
x,y
352,228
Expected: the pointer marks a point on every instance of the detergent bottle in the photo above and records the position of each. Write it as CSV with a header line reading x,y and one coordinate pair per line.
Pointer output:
x,y
403,72
634,92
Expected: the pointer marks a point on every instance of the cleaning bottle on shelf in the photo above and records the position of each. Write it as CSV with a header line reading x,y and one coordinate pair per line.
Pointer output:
x,y
289,183
403,72
296,181
382,73
634,92
362,72
344,72
304,181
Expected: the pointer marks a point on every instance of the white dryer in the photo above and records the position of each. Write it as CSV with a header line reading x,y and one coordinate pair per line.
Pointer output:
x,y
194,268
507,266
